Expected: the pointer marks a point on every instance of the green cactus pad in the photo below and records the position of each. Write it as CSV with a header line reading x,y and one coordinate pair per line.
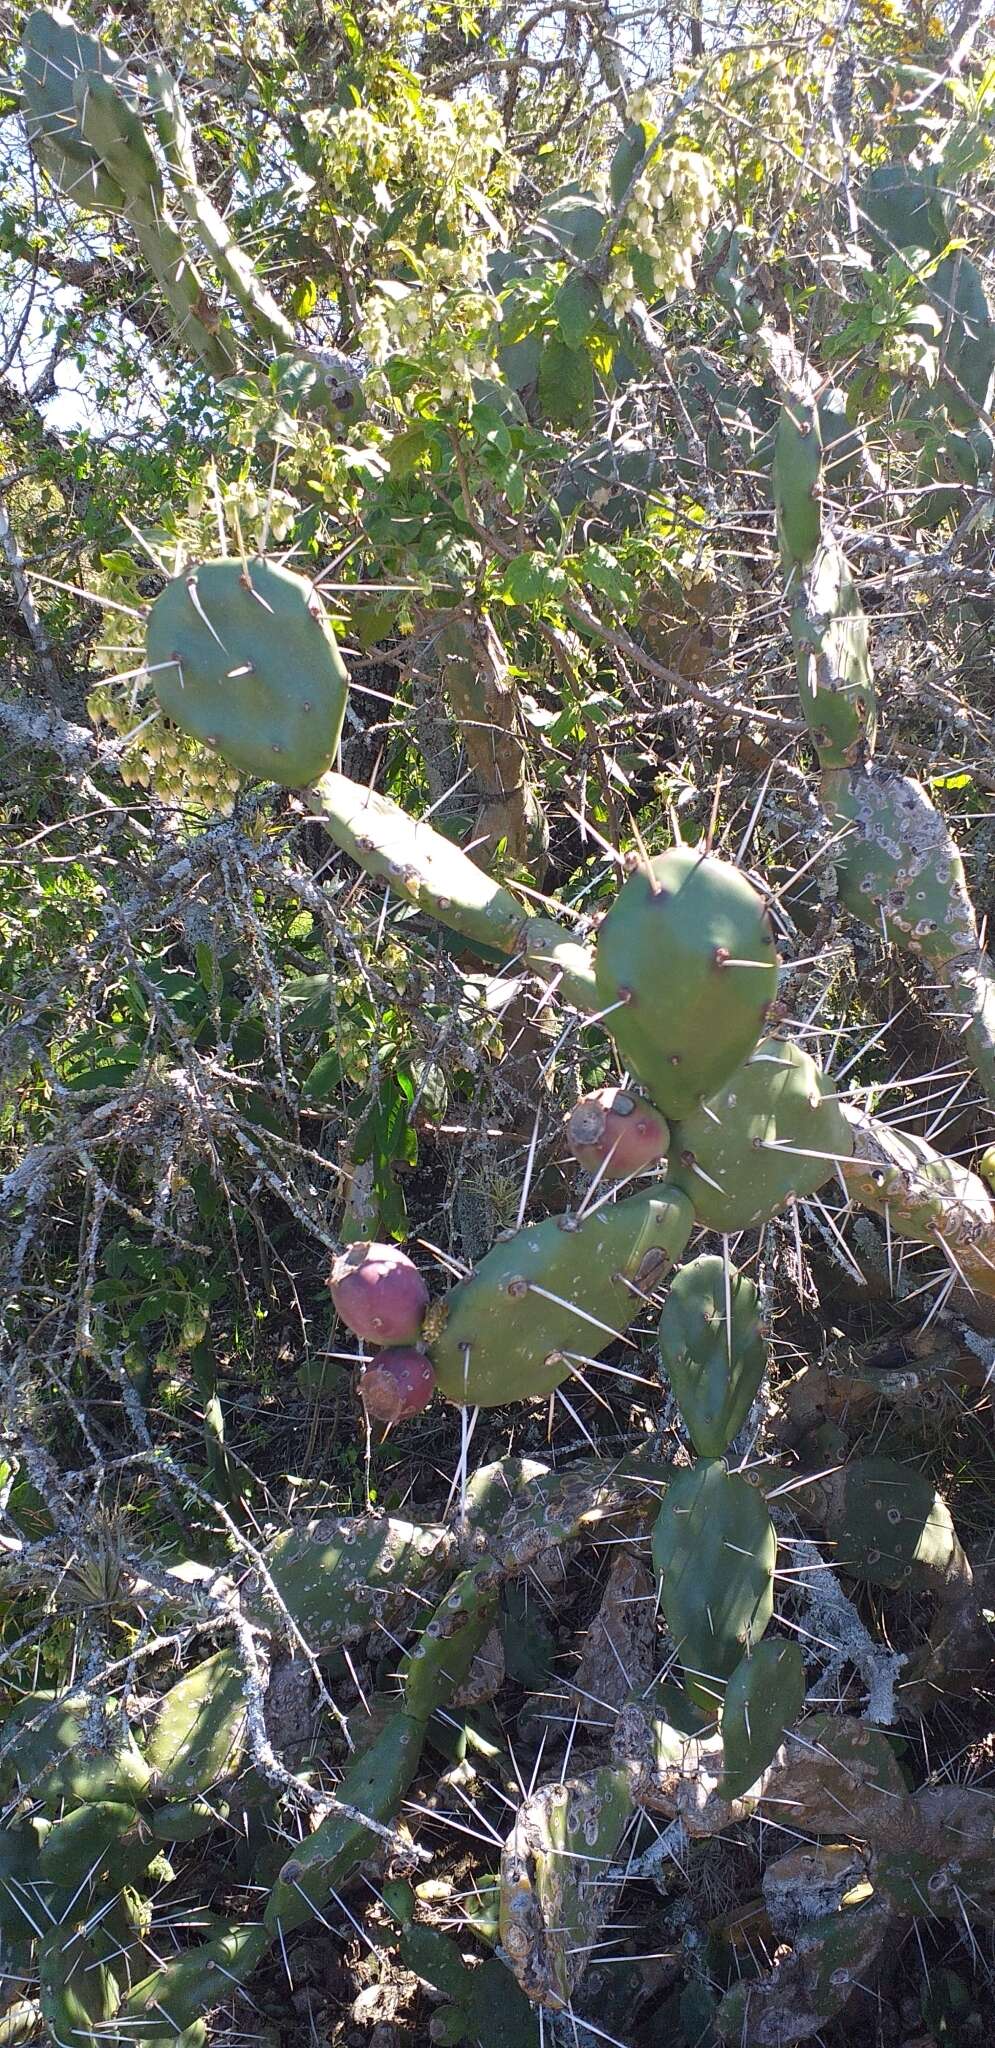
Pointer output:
x,y
503,1339
888,1524
434,1957
445,1650
185,1820
56,55
713,1350
764,1696
774,1131
200,1731
797,479
903,209
242,659
76,1990
898,868
19,1872
113,130
714,1548
338,1576
118,1773
957,294
554,1900
375,1785
835,679
99,1839
687,951
174,1998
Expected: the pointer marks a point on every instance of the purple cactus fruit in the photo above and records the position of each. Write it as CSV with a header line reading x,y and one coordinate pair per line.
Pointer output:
x,y
378,1293
624,1129
396,1384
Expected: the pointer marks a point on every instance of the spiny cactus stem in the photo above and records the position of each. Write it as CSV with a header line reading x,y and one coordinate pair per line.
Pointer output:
x,y
428,871
231,262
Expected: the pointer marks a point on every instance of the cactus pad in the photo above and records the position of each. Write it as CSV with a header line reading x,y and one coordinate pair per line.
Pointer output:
x,y
713,1350
835,680
199,1735
774,1131
888,1523
898,868
797,477
554,1292
56,55
339,1576
374,1784
714,1548
687,951
173,1998
764,1696
242,659
554,1899
97,1840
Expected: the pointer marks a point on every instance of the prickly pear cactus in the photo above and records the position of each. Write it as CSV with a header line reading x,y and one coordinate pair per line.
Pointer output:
x,y
685,963
554,1896
774,1131
835,677
57,55
552,1297
712,1349
200,1731
242,658
714,1548
764,1696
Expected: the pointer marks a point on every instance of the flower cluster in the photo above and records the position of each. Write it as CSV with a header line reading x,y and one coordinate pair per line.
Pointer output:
x,y
663,228
450,150
161,759
770,110
447,321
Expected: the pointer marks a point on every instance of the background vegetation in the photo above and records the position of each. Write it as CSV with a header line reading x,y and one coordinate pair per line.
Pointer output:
x,y
523,291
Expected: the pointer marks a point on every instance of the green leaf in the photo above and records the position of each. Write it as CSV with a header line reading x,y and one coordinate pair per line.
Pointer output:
x,y
628,155
566,384
578,306
598,566
321,1084
304,298
530,578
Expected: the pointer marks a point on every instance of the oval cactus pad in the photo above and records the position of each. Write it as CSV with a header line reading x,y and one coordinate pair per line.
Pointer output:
x,y
242,658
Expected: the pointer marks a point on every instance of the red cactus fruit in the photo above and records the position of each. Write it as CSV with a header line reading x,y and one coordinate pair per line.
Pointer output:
x,y
624,1129
396,1384
378,1293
